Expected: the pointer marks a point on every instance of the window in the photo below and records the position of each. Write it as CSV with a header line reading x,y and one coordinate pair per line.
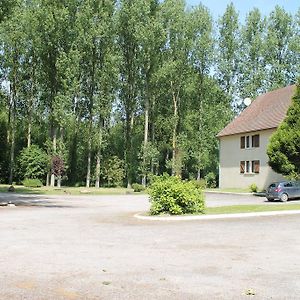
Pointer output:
x,y
242,142
255,140
249,141
249,167
242,167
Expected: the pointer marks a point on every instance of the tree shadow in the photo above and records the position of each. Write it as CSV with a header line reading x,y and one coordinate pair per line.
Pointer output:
x,y
22,201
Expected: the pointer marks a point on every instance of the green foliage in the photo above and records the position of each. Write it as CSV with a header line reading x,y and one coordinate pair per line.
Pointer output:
x,y
284,147
148,82
114,171
211,180
138,187
253,188
200,183
173,196
33,163
32,182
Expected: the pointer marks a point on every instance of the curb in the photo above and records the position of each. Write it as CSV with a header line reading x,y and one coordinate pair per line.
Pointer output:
x,y
216,217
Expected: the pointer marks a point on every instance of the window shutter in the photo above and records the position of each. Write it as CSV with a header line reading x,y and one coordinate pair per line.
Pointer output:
x,y
242,167
256,166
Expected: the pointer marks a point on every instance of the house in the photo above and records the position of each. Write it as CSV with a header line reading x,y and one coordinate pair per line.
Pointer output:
x,y
244,141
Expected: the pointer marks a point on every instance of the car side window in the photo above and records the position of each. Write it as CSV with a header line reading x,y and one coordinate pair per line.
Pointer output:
x,y
288,184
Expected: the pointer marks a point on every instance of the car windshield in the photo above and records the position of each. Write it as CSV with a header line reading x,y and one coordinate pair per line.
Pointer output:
x,y
273,185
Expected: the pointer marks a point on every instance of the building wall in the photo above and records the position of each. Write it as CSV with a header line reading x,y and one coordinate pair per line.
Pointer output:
x,y
231,155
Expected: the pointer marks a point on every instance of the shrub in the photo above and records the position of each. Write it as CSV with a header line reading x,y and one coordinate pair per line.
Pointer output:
x,y
114,171
32,182
210,179
253,188
200,184
138,187
173,196
33,162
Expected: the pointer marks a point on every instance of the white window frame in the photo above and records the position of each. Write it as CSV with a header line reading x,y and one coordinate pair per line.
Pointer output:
x,y
248,141
248,164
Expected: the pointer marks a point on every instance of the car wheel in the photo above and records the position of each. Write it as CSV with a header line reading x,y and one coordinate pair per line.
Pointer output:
x,y
284,197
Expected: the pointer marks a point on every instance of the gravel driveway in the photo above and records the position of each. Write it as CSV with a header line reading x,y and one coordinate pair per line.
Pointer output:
x,y
88,247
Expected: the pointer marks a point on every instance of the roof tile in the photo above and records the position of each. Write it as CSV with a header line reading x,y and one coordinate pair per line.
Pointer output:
x,y
266,111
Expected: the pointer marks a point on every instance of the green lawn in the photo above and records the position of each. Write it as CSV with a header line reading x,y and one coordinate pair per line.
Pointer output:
x,y
67,190
234,209
232,190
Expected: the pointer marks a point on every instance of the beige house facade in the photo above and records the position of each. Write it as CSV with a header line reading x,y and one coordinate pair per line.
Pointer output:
x,y
244,141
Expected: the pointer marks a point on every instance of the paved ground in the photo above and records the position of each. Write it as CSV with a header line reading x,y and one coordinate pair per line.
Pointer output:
x,y
92,248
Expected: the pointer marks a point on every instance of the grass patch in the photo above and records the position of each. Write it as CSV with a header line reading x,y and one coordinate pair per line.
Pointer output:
x,y
235,209
229,190
66,190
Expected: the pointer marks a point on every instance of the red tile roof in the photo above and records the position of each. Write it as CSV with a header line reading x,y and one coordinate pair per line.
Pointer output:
x,y
266,111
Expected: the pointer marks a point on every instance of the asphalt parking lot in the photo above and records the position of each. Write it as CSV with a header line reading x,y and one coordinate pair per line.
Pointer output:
x,y
91,247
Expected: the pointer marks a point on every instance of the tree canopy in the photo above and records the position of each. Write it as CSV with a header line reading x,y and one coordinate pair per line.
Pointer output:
x,y
143,86
284,147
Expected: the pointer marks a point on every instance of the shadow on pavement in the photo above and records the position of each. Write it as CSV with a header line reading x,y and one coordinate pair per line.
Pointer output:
x,y
31,202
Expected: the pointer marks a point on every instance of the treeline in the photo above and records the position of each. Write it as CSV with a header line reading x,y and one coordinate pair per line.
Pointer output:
x,y
99,92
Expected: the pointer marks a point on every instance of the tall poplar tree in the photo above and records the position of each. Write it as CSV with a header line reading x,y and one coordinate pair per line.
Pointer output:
x,y
201,59
130,19
252,66
95,42
280,32
174,70
228,55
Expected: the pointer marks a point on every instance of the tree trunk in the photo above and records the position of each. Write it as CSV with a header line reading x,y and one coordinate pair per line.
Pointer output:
x,y
54,137
29,132
175,97
129,160
97,184
91,106
198,174
12,121
59,181
98,156
153,135
48,179
146,130
12,153
88,174
30,108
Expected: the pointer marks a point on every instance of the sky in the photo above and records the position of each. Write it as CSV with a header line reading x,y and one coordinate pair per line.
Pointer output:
x,y
217,7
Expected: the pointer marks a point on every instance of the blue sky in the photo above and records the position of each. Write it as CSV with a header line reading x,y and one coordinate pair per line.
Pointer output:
x,y
217,7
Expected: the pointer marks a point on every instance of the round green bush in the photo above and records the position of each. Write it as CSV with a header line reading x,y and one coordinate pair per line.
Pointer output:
x,y
210,179
253,188
32,182
171,195
33,163
138,187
